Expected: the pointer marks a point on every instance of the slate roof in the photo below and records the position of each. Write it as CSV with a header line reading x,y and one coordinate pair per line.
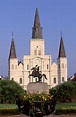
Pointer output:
x,y
12,50
37,29
61,49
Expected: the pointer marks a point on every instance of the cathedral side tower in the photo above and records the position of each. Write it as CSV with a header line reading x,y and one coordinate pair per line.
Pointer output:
x,y
62,63
12,61
15,67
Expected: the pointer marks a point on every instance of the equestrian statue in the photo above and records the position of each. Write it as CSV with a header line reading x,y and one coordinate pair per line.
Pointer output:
x,y
37,74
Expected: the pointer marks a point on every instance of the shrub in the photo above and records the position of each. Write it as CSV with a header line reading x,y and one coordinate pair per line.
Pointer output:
x,y
66,92
8,91
66,110
11,111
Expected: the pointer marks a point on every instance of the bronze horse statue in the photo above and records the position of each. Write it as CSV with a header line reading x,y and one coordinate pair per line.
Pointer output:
x,y
37,74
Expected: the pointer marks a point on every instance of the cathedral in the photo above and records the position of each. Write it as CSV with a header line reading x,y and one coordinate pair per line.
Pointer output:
x,y
56,73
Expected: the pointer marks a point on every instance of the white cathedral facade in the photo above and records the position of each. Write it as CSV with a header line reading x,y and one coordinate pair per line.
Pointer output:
x,y
56,73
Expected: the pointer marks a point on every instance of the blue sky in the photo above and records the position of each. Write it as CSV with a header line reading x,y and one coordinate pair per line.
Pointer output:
x,y
55,16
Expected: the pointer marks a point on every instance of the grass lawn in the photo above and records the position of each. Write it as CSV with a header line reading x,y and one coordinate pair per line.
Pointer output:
x,y
61,108
60,105
8,106
8,109
66,108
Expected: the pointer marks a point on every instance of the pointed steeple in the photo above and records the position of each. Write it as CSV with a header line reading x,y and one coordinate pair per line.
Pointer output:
x,y
37,29
36,20
12,49
61,49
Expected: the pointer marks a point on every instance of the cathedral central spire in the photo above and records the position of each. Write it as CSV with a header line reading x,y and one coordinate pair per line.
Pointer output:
x,y
37,29
36,20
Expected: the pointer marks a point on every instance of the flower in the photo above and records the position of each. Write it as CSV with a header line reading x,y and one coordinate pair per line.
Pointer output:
x,y
37,97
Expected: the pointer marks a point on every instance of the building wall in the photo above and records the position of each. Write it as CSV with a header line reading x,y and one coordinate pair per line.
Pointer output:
x,y
54,74
20,74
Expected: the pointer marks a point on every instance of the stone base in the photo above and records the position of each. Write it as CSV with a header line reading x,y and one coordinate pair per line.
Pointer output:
x,y
38,87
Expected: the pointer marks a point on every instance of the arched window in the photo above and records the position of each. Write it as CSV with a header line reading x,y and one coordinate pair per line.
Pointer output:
x,y
62,79
27,67
39,52
62,65
59,65
47,66
54,80
35,52
20,80
12,79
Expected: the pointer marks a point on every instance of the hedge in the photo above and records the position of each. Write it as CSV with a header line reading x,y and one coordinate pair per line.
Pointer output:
x,y
9,111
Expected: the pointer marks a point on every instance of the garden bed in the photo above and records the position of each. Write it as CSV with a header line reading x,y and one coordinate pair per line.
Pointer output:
x,y
61,108
66,108
9,109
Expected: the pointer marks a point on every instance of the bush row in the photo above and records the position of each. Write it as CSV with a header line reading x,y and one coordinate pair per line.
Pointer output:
x,y
66,111
10,111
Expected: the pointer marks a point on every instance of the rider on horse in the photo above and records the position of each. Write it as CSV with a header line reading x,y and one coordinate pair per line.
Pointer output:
x,y
37,73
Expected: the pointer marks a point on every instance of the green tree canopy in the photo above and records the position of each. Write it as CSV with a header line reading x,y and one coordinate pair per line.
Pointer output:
x,y
66,92
8,91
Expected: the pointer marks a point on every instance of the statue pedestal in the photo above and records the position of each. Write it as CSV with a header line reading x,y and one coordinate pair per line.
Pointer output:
x,y
37,87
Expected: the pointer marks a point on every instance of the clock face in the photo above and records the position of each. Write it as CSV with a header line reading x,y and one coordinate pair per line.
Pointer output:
x,y
37,61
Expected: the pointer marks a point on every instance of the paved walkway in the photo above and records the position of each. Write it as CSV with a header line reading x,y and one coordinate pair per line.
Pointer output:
x,y
51,115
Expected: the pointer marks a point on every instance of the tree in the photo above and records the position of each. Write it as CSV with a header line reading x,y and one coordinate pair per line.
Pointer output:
x,y
66,92
8,91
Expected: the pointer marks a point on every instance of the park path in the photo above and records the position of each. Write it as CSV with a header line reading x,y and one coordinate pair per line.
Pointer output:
x,y
51,115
